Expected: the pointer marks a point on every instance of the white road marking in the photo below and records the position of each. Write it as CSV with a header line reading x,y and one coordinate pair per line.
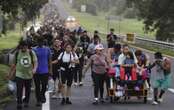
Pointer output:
x,y
171,90
46,106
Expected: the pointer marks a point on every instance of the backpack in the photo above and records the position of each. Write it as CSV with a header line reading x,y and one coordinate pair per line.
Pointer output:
x,y
31,55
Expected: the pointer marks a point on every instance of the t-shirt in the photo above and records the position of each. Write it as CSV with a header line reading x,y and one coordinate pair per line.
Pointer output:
x,y
55,54
68,57
91,48
129,61
121,59
43,55
99,64
24,64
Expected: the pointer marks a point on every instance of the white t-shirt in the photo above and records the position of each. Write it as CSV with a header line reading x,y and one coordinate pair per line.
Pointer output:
x,y
121,59
66,57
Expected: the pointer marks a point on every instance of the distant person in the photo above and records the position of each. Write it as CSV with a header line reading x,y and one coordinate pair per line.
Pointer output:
x,y
23,68
111,39
56,51
44,69
85,41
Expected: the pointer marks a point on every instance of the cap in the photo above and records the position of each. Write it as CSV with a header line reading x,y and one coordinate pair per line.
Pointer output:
x,y
99,47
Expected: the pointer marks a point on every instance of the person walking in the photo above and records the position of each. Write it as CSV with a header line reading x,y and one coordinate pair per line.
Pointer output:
x,y
99,64
44,69
23,68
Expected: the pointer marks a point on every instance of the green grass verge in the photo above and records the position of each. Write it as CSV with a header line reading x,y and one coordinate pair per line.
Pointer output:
x,y
4,97
10,40
156,49
100,23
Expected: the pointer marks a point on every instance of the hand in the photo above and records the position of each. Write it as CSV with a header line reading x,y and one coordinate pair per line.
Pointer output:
x,y
8,77
50,73
34,71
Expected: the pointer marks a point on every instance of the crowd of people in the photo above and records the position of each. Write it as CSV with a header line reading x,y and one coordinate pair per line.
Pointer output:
x,y
55,52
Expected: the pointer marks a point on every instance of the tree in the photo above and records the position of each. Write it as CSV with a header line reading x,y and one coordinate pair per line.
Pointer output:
x,y
158,15
29,9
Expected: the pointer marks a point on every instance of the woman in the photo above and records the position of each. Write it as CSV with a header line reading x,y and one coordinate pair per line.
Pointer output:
x,y
99,65
67,61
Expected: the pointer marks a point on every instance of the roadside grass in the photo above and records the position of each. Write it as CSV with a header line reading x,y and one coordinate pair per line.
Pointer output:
x,y
4,97
91,23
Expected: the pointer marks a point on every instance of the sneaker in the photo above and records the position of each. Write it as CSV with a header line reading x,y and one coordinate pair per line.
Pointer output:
x,y
81,84
60,95
43,100
102,100
154,103
19,107
160,100
95,101
26,105
54,96
63,101
75,84
68,101
38,104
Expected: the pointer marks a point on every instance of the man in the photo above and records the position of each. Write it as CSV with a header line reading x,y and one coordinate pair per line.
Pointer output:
x,y
23,68
84,41
111,39
91,48
56,50
43,71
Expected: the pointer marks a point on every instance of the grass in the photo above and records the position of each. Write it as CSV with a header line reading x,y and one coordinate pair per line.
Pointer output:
x,y
6,42
100,23
4,98
156,49
10,40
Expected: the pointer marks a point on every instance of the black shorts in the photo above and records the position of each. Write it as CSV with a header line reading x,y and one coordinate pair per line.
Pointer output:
x,y
67,77
56,75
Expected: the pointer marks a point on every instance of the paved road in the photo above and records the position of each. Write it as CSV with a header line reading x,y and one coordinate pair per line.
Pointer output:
x,y
82,97
63,13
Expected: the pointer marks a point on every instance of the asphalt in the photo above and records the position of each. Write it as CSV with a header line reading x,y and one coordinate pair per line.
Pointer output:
x,y
82,97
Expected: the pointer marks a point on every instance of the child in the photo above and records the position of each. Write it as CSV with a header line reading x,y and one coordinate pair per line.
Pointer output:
x,y
129,63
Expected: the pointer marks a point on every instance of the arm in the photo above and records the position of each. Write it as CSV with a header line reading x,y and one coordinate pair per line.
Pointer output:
x,y
11,73
35,65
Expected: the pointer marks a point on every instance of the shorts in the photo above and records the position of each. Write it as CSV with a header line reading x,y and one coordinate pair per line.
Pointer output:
x,y
67,77
56,76
163,84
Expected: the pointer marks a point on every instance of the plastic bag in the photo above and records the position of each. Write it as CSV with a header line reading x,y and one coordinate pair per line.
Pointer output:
x,y
51,85
12,87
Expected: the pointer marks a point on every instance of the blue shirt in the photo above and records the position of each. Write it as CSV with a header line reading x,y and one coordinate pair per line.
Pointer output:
x,y
43,54
129,61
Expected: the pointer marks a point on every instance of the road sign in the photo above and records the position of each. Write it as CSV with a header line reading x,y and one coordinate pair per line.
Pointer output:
x,y
83,8
130,38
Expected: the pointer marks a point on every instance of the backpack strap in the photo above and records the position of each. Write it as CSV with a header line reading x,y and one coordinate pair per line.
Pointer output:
x,y
16,57
31,55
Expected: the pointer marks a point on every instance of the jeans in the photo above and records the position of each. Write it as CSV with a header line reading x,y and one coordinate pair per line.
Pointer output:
x,y
41,82
98,84
21,84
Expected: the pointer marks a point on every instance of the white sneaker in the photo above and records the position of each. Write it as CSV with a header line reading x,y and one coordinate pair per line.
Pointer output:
x,y
154,103
81,84
60,96
160,100
54,96
75,84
